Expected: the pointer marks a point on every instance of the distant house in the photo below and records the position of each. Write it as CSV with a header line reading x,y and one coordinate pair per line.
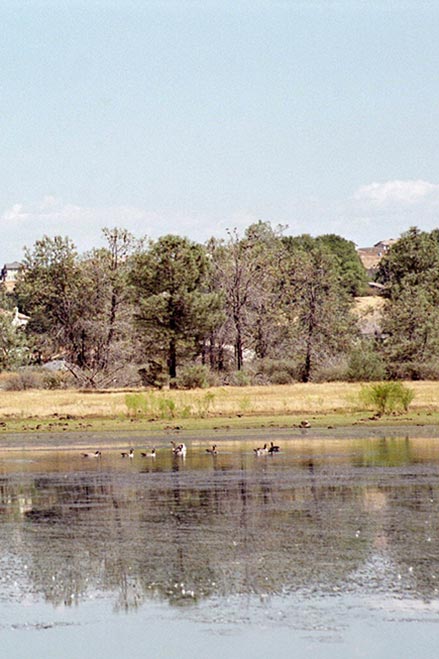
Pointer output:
x,y
8,274
383,246
371,256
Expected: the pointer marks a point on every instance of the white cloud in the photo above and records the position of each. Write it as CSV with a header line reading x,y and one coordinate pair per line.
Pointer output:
x,y
373,212
398,192
385,210
22,224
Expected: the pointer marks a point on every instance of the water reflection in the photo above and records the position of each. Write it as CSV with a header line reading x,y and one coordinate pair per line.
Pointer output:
x,y
320,517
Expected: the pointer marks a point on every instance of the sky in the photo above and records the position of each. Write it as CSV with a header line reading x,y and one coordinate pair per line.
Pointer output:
x,y
194,117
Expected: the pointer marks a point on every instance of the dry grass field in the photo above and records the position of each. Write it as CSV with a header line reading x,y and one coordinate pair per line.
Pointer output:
x,y
298,399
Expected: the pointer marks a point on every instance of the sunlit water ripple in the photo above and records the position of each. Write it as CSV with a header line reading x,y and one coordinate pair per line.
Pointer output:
x,y
331,546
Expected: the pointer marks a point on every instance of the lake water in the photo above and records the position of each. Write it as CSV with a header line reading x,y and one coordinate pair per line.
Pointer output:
x,y
329,549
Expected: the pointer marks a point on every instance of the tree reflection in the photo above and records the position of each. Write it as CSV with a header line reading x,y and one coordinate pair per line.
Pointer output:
x,y
229,526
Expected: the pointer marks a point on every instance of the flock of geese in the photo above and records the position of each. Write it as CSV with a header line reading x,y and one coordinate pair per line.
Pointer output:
x,y
179,450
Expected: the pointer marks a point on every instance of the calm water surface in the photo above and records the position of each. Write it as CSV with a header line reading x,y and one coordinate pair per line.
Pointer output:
x,y
329,548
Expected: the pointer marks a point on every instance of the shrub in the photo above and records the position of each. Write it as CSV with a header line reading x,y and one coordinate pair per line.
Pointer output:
x,y
154,406
385,397
414,370
167,408
153,374
136,403
204,404
195,376
334,370
281,377
277,371
24,379
239,379
56,380
365,365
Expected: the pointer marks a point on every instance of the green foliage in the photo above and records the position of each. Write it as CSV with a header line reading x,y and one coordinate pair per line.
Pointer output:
x,y
174,308
205,403
318,311
260,297
137,404
410,263
167,408
410,324
53,292
244,270
350,271
14,348
239,379
154,406
152,374
411,328
78,307
331,370
414,370
385,397
365,364
195,376
278,371
7,299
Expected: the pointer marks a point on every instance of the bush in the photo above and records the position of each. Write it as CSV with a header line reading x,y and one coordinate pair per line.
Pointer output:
x,y
153,374
24,379
195,376
414,370
205,403
385,397
277,371
57,380
239,379
334,370
137,404
281,377
365,365
154,406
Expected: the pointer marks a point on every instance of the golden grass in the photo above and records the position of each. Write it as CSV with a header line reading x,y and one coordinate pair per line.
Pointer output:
x,y
276,400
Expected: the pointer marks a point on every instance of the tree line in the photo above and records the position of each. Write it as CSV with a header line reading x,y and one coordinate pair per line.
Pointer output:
x,y
260,307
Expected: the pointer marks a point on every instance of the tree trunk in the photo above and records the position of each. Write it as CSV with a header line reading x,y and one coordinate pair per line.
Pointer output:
x,y
172,358
238,349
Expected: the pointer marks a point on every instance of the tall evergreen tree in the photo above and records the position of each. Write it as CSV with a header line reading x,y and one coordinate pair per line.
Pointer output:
x,y
174,306
410,275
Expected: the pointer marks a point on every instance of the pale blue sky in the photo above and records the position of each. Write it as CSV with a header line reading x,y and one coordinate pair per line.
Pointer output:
x,y
190,117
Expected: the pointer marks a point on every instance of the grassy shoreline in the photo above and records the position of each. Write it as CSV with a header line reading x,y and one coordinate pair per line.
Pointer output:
x,y
327,405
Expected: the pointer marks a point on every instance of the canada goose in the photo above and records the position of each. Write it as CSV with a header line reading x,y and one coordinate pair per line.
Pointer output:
x,y
261,451
273,448
128,455
212,450
179,450
96,454
305,424
151,454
